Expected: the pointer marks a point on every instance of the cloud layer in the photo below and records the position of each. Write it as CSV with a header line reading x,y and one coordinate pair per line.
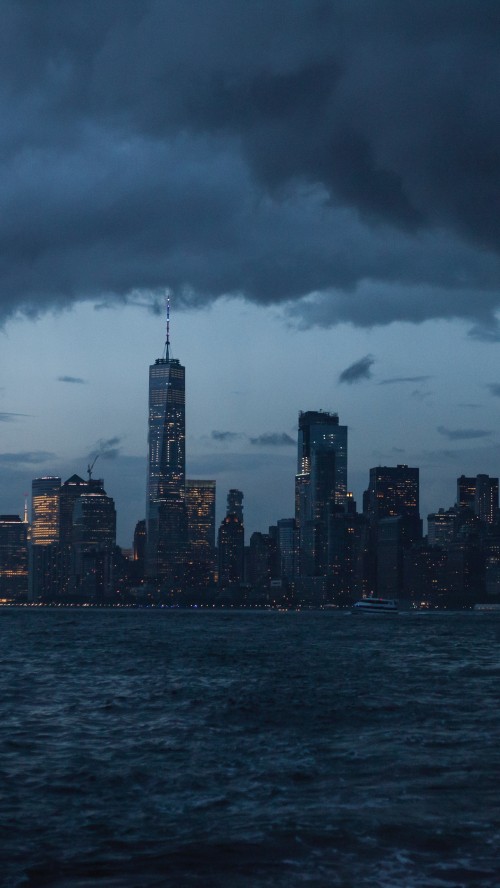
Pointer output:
x,y
339,158
359,370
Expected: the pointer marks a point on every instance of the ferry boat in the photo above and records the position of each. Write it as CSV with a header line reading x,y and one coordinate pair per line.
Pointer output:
x,y
375,605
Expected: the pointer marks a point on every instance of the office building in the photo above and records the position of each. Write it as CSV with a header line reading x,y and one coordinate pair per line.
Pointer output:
x,y
13,559
320,485
235,504
231,551
287,543
166,520
441,527
45,510
94,541
466,491
486,498
43,551
231,543
200,505
479,494
393,491
69,492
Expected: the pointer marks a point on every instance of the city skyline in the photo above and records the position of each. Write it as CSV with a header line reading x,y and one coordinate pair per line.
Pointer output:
x,y
265,469
314,185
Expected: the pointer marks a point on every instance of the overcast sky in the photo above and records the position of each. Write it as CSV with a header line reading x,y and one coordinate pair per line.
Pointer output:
x,y
317,186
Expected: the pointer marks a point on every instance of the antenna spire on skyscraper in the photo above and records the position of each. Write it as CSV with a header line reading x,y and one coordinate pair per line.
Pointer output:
x,y
167,341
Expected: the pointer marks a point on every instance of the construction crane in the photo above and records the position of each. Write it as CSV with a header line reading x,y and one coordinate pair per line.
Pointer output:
x,y
90,467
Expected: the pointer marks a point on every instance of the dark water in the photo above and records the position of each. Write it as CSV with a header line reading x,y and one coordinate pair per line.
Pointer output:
x,y
158,748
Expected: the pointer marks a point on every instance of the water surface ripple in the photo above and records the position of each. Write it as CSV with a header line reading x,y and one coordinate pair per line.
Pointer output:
x,y
239,749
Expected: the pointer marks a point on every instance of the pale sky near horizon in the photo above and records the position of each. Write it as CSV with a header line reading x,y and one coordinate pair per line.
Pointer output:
x,y
316,184
248,373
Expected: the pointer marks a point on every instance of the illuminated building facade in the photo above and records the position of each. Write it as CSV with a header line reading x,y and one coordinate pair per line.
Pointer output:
x,y
166,520
466,491
393,491
45,511
200,505
441,527
13,559
479,494
200,508
43,551
486,498
235,504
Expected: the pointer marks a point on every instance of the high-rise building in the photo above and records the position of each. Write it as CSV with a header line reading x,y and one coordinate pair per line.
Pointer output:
x,y
320,485
231,552
391,505
393,491
441,527
45,510
235,504
200,505
94,540
479,494
287,548
166,521
140,542
13,558
231,542
466,491
69,492
43,554
486,498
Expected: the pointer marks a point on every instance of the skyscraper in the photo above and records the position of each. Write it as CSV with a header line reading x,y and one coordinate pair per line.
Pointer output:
x,y
235,504
320,485
231,552
392,508
393,491
231,542
200,504
486,498
43,569
94,539
13,558
45,510
166,522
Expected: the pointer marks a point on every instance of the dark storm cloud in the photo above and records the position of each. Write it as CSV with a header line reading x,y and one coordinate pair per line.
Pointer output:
x,y
11,417
359,370
27,457
419,395
273,439
398,379
463,434
77,380
224,436
341,158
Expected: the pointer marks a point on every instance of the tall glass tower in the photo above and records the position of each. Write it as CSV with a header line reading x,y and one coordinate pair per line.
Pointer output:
x,y
320,484
44,537
166,525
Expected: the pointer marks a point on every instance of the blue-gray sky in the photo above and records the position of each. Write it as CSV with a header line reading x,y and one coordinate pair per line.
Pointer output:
x,y
315,183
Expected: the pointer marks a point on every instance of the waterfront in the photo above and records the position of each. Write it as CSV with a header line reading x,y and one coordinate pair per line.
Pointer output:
x,y
151,748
